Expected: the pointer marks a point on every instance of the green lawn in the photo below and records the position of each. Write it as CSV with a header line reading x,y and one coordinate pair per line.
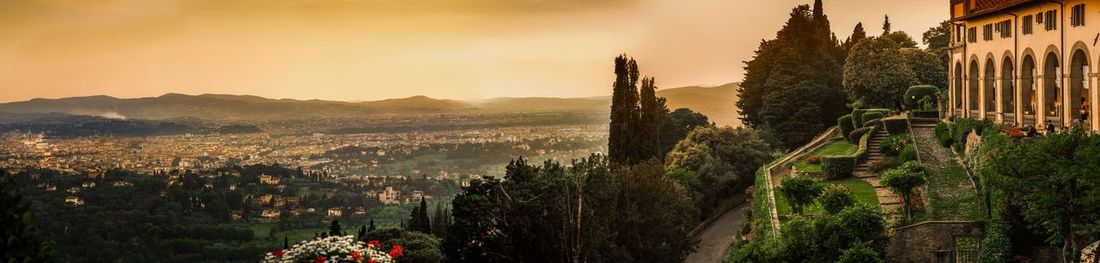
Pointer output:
x,y
863,192
837,147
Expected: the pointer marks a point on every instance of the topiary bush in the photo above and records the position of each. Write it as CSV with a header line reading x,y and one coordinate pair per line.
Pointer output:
x,y
845,124
836,198
873,122
872,115
838,167
856,134
914,94
896,125
944,134
857,117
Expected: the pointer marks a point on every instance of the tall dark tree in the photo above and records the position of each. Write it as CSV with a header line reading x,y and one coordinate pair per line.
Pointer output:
x,y
286,242
19,240
680,122
886,25
937,39
371,227
792,87
654,115
334,228
418,218
624,109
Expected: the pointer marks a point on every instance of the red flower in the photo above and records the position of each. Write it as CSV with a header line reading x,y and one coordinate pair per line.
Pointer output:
x,y
319,259
374,243
396,251
371,261
279,253
355,255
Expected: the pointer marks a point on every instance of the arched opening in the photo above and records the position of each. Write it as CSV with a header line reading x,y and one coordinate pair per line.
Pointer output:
x,y
1052,83
1028,90
989,89
972,91
958,90
1008,91
1079,87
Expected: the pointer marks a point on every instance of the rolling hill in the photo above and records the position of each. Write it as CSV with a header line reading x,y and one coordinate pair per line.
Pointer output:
x,y
715,102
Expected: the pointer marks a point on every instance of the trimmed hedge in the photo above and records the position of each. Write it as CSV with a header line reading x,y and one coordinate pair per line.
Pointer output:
x,y
857,117
871,115
962,128
896,125
873,122
845,124
838,166
914,94
856,134
925,113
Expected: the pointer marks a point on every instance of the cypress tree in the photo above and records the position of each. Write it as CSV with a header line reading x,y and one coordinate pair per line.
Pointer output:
x,y
286,243
371,228
886,25
624,108
334,228
654,114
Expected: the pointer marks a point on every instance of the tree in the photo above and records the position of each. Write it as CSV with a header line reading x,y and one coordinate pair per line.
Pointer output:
x,y
723,160
334,228
371,228
1055,181
286,243
18,236
902,39
876,73
836,198
861,223
886,25
418,247
792,86
936,39
440,221
926,67
860,254
624,109
680,122
903,180
800,191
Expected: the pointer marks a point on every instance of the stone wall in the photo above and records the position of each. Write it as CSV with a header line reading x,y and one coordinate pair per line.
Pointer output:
x,y
931,241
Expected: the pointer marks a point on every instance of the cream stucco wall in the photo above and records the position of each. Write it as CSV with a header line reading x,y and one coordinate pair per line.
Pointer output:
x,y
1036,46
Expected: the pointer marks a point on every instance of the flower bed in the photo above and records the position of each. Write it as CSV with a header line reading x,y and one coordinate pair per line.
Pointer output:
x,y
334,249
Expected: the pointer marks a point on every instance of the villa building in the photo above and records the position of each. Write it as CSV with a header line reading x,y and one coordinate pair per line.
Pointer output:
x,y
1025,62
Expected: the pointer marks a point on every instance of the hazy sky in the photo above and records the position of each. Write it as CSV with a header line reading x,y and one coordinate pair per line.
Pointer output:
x,y
376,49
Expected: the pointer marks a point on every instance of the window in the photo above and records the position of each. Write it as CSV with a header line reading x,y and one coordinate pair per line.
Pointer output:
x,y
1077,18
1025,27
987,32
972,35
1004,28
1052,20
959,33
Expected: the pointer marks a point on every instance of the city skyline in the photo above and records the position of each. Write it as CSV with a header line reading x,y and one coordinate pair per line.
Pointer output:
x,y
373,50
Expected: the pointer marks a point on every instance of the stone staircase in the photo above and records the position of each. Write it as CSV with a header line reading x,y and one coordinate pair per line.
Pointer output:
x,y
889,203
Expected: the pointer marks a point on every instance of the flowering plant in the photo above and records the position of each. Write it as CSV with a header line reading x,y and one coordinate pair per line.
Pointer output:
x,y
334,249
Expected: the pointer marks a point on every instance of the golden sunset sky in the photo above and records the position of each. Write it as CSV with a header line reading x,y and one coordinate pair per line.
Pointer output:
x,y
377,49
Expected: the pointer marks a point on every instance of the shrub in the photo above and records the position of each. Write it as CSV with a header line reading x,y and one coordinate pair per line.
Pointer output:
x,y
896,125
813,160
861,253
996,245
926,113
893,145
856,134
872,115
880,165
836,198
943,134
837,167
857,117
861,223
963,127
800,191
845,124
872,122
914,95
908,153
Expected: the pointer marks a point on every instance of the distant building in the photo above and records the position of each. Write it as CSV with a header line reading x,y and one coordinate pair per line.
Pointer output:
x,y
389,196
335,212
269,180
271,213
74,200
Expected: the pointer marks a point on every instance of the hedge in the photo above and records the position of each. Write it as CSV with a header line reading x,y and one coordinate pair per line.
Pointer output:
x,y
872,115
872,122
845,124
857,117
962,129
896,125
841,166
925,113
761,206
856,134
943,135
914,94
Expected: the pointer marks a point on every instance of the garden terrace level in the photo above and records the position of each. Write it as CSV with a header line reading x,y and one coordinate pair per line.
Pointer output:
x,y
1025,62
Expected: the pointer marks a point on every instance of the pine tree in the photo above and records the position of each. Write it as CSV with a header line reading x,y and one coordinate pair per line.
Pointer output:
x,y
334,228
886,25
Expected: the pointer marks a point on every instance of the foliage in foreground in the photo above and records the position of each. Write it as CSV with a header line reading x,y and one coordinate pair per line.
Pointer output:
x,y
819,239
723,161
583,212
19,239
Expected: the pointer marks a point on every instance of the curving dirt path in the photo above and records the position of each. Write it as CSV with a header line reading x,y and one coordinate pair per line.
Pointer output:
x,y
715,240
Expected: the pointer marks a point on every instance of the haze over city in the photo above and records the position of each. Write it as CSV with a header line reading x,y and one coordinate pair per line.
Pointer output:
x,y
372,49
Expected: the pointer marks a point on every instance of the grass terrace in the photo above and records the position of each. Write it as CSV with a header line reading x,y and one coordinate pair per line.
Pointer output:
x,y
863,192
836,147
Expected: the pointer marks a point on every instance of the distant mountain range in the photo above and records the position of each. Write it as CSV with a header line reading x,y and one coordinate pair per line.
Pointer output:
x,y
715,102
